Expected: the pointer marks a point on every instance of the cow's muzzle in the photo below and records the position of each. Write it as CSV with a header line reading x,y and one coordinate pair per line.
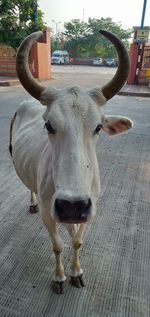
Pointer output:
x,y
73,210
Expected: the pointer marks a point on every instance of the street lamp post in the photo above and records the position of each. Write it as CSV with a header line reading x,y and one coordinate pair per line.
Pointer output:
x,y
57,35
140,45
143,13
36,14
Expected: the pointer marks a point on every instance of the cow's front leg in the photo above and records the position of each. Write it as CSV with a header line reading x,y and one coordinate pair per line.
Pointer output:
x,y
33,204
76,271
59,277
58,246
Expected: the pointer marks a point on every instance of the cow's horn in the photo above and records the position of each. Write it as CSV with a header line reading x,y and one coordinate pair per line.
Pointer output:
x,y
22,67
119,79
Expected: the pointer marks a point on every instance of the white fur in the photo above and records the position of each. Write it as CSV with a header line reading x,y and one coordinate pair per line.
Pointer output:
x,y
63,165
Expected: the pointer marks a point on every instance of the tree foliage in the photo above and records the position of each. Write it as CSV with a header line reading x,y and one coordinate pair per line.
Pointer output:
x,y
75,35
84,40
101,43
18,18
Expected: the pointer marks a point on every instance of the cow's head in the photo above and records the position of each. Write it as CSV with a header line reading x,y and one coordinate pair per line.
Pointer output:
x,y
73,120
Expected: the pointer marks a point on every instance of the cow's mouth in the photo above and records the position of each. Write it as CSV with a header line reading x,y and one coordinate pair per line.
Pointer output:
x,y
74,221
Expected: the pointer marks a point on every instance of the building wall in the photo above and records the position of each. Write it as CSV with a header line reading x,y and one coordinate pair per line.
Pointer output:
x,y
7,61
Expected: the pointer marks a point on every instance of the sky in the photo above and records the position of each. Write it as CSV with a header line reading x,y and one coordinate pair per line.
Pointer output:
x,y
128,12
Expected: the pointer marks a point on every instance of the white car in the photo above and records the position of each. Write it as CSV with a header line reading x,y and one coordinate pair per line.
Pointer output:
x,y
97,62
60,57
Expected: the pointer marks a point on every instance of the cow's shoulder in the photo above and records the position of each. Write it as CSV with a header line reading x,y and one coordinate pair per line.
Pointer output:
x,y
30,109
29,116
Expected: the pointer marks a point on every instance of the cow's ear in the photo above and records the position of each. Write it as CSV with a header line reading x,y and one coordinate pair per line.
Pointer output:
x,y
113,125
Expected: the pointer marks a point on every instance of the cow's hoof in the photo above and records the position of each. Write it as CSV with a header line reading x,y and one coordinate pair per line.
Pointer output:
x,y
77,281
58,287
34,209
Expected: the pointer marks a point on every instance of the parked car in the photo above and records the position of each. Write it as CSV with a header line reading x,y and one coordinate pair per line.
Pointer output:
x,y
60,57
97,62
109,62
116,62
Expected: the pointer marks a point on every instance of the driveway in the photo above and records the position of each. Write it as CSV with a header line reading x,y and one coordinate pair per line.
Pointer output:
x,y
115,256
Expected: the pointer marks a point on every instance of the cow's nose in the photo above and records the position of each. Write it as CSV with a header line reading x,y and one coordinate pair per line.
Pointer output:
x,y
73,211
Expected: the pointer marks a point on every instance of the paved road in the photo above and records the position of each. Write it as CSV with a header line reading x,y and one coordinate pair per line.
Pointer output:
x,y
83,69
85,76
115,256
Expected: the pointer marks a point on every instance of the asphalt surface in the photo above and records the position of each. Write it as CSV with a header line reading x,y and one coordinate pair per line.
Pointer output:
x,y
115,256
84,75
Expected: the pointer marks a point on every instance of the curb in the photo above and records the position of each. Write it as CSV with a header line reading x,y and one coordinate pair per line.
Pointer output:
x,y
124,92
134,94
9,82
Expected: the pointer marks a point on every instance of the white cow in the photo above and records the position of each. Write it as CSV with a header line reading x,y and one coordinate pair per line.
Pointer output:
x,y
53,151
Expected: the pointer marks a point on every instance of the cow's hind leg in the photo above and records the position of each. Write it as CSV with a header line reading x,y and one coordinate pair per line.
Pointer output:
x,y
58,246
33,204
76,271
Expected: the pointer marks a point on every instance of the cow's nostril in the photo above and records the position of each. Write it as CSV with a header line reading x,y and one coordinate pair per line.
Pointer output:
x,y
82,205
62,205
76,210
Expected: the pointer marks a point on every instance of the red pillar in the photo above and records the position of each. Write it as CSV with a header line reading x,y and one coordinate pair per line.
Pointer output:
x,y
133,63
40,65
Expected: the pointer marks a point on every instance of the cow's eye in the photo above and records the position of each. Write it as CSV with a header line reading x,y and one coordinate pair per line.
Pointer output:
x,y
49,128
98,128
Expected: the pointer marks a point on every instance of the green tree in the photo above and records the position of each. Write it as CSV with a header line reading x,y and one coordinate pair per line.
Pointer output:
x,y
75,34
99,42
84,40
18,18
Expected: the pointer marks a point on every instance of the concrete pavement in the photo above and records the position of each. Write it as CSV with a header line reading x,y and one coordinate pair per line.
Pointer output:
x,y
63,75
115,256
